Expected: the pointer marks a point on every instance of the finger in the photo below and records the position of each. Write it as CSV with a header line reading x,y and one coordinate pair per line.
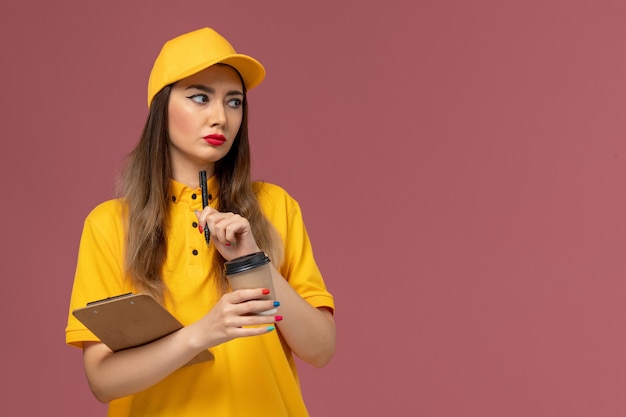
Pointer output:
x,y
256,320
257,308
248,326
202,215
255,331
221,224
234,229
211,218
236,226
248,294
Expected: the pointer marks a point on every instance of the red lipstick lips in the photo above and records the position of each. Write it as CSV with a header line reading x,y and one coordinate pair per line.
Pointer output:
x,y
215,140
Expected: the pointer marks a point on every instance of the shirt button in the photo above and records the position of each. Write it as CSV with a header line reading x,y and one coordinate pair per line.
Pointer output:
x,y
193,196
194,225
173,198
210,197
195,252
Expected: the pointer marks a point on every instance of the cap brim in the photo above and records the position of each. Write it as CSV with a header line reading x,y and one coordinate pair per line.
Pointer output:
x,y
250,69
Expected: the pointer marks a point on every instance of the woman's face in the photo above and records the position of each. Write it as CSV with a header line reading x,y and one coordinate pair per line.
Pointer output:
x,y
204,115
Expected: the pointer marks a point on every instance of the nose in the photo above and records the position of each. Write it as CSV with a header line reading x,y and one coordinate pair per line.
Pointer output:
x,y
217,114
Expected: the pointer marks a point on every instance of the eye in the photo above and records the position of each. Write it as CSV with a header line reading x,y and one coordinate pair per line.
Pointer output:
x,y
199,98
235,103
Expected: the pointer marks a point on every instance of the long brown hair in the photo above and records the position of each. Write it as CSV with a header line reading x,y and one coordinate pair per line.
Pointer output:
x,y
144,187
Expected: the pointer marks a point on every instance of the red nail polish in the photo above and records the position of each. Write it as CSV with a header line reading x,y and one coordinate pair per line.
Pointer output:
x,y
200,229
278,318
265,291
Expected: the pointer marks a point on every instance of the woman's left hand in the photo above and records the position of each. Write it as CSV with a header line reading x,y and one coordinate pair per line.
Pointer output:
x,y
230,233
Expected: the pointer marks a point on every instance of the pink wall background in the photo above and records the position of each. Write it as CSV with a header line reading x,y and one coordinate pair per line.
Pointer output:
x,y
460,165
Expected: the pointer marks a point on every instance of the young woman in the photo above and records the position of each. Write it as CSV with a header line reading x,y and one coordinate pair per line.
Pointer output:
x,y
151,240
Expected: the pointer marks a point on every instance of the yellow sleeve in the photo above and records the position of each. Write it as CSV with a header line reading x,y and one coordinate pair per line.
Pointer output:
x,y
299,266
99,269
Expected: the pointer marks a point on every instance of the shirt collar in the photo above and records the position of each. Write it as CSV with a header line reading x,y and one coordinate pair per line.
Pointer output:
x,y
179,192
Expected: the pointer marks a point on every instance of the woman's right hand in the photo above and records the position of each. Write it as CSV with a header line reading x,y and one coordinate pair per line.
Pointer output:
x,y
234,315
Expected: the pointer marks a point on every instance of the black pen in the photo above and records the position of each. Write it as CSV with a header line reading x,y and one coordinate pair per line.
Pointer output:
x,y
205,202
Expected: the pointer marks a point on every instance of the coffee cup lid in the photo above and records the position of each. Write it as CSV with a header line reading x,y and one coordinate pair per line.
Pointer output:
x,y
245,263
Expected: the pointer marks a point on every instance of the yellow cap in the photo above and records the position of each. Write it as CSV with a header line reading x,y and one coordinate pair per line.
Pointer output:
x,y
192,52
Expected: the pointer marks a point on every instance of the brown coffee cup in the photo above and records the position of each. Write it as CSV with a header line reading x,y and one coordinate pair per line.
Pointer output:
x,y
251,271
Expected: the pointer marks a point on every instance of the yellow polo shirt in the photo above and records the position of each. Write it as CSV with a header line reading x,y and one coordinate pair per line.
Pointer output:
x,y
254,376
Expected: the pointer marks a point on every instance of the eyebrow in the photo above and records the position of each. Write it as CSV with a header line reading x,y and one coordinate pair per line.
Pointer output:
x,y
211,90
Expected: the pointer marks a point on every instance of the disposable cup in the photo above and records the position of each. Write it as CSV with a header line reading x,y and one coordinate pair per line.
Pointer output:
x,y
251,271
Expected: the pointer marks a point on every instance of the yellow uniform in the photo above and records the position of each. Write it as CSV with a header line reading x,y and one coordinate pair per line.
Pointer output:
x,y
254,376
